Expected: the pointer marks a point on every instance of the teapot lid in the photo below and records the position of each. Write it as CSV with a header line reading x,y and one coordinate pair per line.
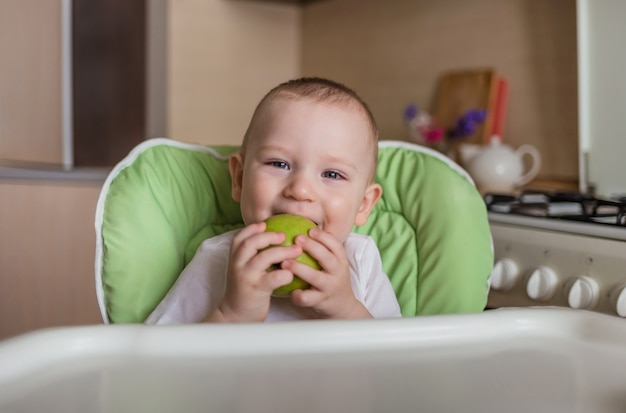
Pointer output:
x,y
495,140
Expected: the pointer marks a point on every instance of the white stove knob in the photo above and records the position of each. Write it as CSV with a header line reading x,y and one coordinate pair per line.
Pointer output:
x,y
542,284
504,274
583,293
618,299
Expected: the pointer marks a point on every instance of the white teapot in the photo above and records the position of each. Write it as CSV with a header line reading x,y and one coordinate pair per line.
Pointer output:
x,y
498,167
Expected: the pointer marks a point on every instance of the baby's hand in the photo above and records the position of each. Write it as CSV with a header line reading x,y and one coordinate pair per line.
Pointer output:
x,y
249,285
330,295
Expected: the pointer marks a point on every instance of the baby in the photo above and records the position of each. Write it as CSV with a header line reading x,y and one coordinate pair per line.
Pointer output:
x,y
311,149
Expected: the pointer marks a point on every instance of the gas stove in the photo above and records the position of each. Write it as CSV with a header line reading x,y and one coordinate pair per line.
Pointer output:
x,y
558,249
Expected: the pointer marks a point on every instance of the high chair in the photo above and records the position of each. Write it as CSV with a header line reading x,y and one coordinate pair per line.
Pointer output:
x,y
161,201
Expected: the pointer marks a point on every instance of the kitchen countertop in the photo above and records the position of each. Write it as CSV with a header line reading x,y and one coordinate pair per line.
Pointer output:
x,y
10,172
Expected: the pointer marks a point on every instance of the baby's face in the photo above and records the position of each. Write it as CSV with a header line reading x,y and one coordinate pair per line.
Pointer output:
x,y
311,159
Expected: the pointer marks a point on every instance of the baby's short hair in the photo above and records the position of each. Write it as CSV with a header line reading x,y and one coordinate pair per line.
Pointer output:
x,y
320,90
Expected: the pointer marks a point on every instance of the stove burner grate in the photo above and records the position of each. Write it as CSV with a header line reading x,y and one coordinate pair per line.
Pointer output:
x,y
572,206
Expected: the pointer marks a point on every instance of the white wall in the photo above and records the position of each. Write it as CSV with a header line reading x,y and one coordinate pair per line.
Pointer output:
x,y
393,53
223,57
225,54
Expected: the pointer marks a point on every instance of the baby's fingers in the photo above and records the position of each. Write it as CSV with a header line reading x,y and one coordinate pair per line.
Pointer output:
x,y
251,239
316,278
275,256
275,279
310,298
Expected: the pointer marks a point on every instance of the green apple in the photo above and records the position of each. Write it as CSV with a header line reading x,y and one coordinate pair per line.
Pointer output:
x,y
292,225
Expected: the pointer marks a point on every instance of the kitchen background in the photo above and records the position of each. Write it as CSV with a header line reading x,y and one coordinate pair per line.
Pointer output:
x,y
206,65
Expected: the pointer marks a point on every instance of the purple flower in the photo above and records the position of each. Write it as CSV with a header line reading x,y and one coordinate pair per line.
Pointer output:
x,y
466,124
476,115
410,112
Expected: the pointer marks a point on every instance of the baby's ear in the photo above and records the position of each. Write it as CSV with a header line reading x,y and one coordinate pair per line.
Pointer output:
x,y
372,194
235,166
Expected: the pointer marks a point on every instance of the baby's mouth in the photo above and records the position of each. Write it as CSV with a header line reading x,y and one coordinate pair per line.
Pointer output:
x,y
318,224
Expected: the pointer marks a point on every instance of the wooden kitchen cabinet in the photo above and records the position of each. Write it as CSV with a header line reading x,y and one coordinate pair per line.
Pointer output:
x,y
73,81
47,248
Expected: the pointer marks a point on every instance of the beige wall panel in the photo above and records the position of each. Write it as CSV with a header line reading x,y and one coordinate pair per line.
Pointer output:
x,y
393,52
47,249
223,57
30,81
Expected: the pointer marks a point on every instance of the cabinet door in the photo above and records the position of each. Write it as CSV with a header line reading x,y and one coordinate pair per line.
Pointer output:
x,y
72,80
30,81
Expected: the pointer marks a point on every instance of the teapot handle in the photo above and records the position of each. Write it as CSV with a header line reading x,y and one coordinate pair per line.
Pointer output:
x,y
536,165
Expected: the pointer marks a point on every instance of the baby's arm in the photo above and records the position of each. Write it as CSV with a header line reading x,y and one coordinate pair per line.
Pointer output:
x,y
248,284
330,295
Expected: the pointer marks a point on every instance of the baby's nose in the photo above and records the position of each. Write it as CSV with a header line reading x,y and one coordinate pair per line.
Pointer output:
x,y
300,188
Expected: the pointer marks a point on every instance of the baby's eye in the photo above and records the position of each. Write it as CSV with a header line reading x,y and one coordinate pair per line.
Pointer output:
x,y
332,175
279,164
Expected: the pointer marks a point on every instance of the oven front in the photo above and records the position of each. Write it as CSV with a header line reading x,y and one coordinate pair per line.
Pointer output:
x,y
552,262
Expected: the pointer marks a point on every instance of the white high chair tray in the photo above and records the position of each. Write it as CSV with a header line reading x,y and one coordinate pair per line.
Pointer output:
x,y
513,360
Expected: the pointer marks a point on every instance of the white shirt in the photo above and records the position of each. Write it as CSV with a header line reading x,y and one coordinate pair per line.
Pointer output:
x,y
200,287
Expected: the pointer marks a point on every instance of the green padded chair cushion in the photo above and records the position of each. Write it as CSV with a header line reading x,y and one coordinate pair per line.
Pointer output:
x,y
162,195
160,202
432,231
